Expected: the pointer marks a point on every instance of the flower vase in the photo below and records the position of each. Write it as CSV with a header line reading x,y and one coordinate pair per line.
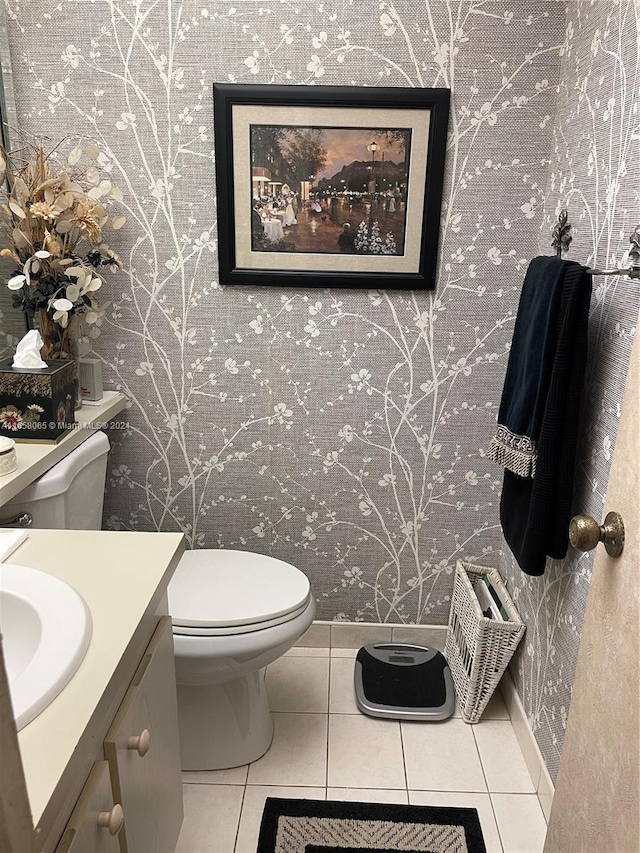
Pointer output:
x,y
61,343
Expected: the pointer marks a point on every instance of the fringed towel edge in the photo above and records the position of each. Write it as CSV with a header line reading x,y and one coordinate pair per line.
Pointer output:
x,y
517,453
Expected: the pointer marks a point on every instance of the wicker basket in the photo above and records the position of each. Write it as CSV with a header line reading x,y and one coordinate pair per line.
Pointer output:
x,y
478,649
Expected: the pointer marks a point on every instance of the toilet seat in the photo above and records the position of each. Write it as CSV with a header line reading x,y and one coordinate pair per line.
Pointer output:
x,y
222,592
209,631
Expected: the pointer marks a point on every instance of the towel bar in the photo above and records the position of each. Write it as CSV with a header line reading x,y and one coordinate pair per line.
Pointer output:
x,y
561,238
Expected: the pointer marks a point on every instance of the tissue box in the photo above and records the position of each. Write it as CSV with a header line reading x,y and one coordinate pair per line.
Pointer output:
x,y
37,404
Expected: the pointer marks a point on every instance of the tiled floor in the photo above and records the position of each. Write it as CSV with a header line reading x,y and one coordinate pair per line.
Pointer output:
x,y
324,748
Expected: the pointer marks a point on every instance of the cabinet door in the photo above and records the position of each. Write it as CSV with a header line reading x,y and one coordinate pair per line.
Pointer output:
x,y
93,825
143,751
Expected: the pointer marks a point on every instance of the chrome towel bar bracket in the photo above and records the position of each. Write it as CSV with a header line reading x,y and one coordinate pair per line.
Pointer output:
x,y
561,239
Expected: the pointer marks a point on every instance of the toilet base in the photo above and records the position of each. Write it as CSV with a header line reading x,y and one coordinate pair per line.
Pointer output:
x,y
224,725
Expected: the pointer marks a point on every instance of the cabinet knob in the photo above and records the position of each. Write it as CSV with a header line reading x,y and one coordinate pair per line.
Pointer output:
x,y
585,533
113,820
140,743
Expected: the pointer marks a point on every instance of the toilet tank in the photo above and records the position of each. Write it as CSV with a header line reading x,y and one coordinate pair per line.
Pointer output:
x,y
71,494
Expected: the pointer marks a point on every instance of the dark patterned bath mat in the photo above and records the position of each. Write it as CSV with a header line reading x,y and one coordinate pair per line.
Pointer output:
x,y
317,826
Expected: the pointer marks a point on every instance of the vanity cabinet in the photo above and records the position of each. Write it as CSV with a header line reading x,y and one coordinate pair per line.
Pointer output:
x,y
96,821
112,733
143,752
132,802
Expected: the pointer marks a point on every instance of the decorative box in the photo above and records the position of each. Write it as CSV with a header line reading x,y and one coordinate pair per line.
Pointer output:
x,y
37,404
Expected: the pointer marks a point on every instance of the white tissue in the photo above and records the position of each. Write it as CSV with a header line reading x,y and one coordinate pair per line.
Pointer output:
x,y
28,351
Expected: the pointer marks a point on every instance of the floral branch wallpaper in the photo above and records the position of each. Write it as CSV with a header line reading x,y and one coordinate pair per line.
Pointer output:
x,y
595,174
341,430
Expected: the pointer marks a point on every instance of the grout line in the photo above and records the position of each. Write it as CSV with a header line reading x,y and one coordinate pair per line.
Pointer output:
x,y
281,785
317,713
513,794
244,794
493,811
439,790
479,754
326,766
486,781
495,817
404,762
328,705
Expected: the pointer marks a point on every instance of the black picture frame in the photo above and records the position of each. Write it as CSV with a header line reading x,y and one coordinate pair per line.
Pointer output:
x,y
290,107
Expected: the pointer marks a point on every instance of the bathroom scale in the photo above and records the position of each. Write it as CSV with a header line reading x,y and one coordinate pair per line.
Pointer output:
x,y
403,682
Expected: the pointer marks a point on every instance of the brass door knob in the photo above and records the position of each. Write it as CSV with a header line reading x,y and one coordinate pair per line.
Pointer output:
x,y
585,533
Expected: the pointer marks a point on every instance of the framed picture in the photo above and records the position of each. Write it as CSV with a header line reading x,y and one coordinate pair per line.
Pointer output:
x,y
325,186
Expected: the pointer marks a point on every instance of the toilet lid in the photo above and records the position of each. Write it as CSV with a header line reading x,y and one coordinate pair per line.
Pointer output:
x,y
221,589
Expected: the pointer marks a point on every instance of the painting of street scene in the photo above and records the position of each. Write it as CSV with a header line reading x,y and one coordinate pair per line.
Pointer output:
x,y
329,190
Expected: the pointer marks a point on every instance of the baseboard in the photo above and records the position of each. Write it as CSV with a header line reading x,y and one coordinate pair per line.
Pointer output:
x,y
353,635
530,750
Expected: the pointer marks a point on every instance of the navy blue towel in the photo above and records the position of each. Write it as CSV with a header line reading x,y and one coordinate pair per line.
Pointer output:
x,y
527,380
537,430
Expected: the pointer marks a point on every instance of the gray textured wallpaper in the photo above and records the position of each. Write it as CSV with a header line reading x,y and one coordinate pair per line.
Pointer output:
x,y
595,174
341,430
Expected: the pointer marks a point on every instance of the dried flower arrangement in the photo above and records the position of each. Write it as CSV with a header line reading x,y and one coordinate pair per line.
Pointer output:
x,y
54,218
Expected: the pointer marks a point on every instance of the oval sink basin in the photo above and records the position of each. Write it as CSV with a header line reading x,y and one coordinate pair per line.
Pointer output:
x,y
46,629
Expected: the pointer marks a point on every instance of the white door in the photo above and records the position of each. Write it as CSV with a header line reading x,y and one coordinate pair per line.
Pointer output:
x,y
596,803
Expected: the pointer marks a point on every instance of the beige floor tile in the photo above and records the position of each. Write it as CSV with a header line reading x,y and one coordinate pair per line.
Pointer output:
x,y
211,815
253,807
299,684
232,776
342,697
521,823
344,653
442,757
298,755
367,795
481,802
364,753
496,709
365,762
501,756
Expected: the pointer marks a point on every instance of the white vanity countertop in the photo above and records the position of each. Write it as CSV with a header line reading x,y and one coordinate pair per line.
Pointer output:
x,y
122,577
34,458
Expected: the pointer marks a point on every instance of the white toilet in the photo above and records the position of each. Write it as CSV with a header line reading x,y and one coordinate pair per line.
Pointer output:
x,y
233,613
70,495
